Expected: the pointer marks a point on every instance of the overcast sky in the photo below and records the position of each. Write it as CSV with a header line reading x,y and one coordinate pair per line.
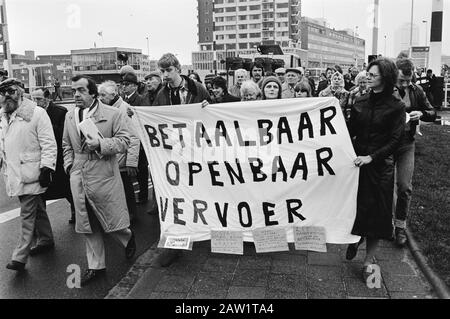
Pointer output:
x,y
57,26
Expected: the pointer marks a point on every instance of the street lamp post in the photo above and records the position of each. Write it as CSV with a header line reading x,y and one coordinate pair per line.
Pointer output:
x,y
148,49
385,44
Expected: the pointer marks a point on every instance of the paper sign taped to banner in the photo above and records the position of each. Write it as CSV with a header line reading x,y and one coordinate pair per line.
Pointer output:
x,y
270,240
310,238
174,242
245,166
227,242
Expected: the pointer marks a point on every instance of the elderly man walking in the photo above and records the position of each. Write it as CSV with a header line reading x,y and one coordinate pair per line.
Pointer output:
x,y
27,159
90,158
128,162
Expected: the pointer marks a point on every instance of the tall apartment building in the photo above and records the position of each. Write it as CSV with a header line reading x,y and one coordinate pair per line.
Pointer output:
x,y
229,28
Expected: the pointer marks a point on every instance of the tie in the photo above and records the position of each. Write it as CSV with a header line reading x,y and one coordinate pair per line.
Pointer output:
x,y
175,96
80,117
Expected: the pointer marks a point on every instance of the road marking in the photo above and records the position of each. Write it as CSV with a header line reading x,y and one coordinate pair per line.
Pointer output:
x,y
15,213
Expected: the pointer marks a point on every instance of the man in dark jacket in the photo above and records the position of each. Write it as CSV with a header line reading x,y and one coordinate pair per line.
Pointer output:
x,y
60,187
153,83
178,89
325,83
129,85
419,109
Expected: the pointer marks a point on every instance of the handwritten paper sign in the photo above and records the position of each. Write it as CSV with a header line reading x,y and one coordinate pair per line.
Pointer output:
x,y
310,238
173,242
227,242
270,240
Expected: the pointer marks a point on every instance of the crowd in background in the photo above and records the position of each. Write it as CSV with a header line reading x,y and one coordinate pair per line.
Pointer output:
x,y
96,175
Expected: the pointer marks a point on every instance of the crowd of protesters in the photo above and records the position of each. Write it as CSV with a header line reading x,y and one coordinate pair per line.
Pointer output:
x,y
45,155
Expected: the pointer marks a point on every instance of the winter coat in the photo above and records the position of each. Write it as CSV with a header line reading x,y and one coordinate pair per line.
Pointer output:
x,y
60,185
419,102
131,157
27,144
376,126
197,93
95,177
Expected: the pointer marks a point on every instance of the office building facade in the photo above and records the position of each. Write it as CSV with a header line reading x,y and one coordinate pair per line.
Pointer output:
x,y
328,47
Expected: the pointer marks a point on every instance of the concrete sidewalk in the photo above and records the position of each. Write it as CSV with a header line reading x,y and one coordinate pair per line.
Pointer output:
x,y
200,274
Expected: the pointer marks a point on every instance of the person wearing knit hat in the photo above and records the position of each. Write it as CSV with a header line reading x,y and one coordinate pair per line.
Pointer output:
x,y
271,88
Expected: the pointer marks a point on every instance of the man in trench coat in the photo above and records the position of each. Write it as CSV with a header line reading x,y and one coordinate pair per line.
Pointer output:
x,y
95,180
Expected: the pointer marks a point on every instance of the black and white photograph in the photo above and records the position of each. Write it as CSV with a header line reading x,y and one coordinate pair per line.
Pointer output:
x,y
222,158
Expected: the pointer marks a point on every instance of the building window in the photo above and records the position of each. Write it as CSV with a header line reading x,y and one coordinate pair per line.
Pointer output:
x,y
242,27
230,9
242,46
232,36
256,7
230,27
242,18
243,36
255,35
243,8
228,19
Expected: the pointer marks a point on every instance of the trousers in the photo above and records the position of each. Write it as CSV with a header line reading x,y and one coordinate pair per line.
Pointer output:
x,y
95,244
35,226
404,171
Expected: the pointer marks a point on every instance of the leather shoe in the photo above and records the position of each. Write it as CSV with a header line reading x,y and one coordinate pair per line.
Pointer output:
x,y
15,265
130,250
40,249
91,275
352,250
400,237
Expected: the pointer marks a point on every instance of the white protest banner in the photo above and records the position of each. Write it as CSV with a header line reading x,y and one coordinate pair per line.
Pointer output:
x,y
250,165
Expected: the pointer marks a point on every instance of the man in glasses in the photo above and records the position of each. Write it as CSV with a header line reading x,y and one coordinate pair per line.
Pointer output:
x,y
28,154
419,109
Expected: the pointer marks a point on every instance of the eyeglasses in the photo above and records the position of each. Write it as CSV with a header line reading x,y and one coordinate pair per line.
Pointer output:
x,y
371,75
10,91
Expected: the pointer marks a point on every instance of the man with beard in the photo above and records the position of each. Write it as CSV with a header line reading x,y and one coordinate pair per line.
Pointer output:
x,y
90,158
27,158
60,187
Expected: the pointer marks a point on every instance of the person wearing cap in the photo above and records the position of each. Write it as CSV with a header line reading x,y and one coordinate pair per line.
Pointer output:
x,y
129,85
281,73
292,78
241,76
153,82
60,187
28,153
220,91
91,160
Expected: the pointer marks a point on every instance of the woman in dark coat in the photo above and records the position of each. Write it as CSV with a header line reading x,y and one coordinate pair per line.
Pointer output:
x,y
376,126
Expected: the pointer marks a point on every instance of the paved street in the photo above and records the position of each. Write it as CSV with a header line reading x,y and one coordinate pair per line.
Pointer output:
x,y
46,275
